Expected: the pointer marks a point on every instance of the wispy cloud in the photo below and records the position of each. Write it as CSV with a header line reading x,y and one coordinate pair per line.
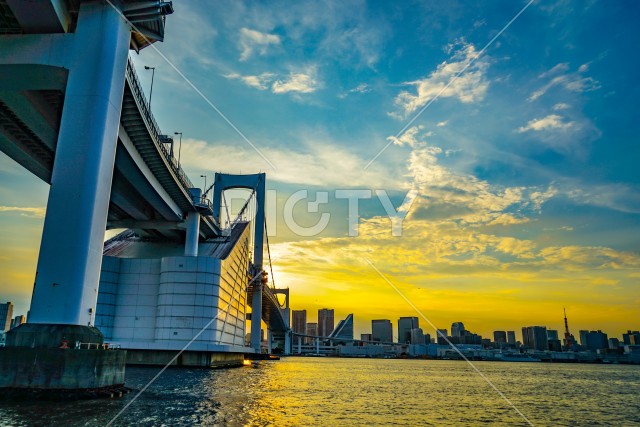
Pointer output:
x,y
25,211
297,82
552,121
470,86
571,81
255,41
305,81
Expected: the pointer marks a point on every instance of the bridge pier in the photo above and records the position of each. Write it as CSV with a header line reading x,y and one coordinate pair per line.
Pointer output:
x,y
68,272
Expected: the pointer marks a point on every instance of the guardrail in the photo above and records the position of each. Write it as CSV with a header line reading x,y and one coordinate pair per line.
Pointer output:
x,y
152,126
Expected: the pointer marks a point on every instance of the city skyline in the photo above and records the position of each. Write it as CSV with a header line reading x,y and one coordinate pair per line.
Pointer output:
x,y
511,152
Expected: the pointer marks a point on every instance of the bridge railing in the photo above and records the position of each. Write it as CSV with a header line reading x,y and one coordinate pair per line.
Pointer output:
x,y
152,125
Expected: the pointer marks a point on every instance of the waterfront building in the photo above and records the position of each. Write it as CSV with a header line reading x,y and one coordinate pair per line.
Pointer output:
x,y
457,329
441,336
614,343
535,337
344,330
500,339
511,337
583,337
552,334
18,320
312,329
382,330
325,322
597,340
417,336
366,337
6,316
631,338
405,325
299,321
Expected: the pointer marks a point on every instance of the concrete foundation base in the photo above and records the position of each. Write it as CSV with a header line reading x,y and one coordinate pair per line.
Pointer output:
x,y
201,359
55,359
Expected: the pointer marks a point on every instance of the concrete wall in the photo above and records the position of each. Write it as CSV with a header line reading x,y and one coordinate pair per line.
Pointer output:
x,y
162,303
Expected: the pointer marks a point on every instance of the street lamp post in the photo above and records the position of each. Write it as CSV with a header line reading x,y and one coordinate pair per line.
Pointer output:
x,y
205,182
153,73
179,146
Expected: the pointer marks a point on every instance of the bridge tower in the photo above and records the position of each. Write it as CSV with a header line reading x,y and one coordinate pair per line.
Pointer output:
x,y
255,182
79,48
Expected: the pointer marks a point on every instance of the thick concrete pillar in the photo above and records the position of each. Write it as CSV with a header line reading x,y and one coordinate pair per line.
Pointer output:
x,y
269,341
287,343
317,345
193,232
67,277
299,345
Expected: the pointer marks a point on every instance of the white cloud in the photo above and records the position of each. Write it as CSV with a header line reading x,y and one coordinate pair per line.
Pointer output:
x,y
261,81
442,123
573,82
470,86
252,41
25,211
561,106
297,82
552,121
300,82
307,164
409,138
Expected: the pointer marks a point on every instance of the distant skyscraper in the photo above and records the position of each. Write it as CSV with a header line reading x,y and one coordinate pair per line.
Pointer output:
x,y
344,329
511,337
299,321
535,337
6,316
552,334
457,329
18,320
366,337
325,322
312,328
417,336
583,337
597,340
499,337
631,338
405,325
382,330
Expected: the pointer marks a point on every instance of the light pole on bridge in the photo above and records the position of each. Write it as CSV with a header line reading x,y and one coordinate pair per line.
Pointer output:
x,y
179,146
153,73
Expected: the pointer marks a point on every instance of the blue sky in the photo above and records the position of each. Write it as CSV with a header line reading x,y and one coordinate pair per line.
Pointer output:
x,y
525,166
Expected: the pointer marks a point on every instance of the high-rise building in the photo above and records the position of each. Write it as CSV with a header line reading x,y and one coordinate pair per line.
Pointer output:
x,y
535,337
312,329
631,338
417,336
511,337
18,320
366,337
457,329
299,321
499,337
382,330
344,329
405,325
6,316
552,334
325,322
583,337
597,340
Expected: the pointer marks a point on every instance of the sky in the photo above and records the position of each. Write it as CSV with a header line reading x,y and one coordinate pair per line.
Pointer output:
x,y
503,136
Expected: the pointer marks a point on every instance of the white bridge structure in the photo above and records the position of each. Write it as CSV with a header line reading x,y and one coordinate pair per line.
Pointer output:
x,y
73,113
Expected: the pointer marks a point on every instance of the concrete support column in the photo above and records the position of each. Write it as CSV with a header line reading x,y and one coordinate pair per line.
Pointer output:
x,y
193,232
318,345
287,343
299,345
67,277
269,341
256,315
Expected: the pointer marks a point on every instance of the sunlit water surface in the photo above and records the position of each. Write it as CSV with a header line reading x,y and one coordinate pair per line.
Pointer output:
x,y
359,392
